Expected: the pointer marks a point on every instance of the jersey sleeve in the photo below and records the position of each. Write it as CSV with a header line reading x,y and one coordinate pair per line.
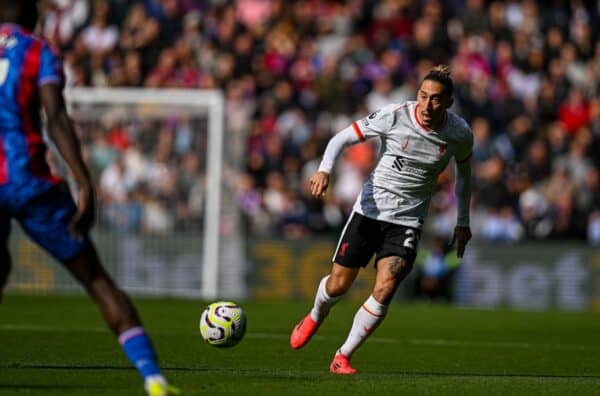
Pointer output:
x,y
465,146
51,70
378,123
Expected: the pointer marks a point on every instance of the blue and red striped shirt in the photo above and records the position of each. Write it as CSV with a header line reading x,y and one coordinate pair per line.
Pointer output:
x,y
26,63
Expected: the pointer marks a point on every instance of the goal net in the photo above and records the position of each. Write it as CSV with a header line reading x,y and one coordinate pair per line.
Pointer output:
x,y
165,175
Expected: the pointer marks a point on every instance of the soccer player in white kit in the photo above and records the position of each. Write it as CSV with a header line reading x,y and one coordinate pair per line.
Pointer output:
x,y
418,139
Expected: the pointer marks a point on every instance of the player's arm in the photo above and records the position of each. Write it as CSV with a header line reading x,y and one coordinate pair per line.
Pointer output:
x,y
462,188
320,180
375,124
61,132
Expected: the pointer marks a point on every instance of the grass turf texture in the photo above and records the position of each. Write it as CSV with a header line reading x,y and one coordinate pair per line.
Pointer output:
x,y
58,345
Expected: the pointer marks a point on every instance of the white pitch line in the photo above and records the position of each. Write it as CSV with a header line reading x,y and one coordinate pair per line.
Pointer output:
x,y
52,329
446,343
501,344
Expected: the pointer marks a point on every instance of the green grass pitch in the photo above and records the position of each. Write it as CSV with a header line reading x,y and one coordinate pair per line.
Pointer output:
x,y
58,345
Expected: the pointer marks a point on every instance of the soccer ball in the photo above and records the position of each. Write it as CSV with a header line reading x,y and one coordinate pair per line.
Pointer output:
x,y
223,324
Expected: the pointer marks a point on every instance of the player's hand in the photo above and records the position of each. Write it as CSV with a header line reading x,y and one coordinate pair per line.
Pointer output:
x,y
318,184
461,237
83,220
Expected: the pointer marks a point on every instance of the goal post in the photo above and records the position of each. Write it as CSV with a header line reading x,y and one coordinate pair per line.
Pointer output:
x,y
208,104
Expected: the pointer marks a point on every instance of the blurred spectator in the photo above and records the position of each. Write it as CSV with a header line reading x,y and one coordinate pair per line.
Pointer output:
x,y
473,17
526,73
537,161
99,37
115,182
170,23
435,266
63,20
139,33
535,214
499,222
574,111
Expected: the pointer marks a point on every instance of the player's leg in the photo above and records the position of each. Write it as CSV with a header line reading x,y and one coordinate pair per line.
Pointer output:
x,y
115,306
122,318
390,272
46,220
354,250
330,290
5,259
394,262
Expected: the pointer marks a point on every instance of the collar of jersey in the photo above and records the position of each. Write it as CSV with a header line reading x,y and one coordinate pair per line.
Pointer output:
x,y
11,26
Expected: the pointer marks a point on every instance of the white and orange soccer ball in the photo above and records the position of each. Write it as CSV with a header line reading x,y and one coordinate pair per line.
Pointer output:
x,y
223,324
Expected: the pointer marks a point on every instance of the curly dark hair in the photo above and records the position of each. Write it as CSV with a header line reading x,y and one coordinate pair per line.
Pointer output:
x,y
22,12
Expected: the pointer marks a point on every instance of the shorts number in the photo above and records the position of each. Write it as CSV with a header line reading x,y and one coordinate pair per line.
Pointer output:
x,y
4,63
411,239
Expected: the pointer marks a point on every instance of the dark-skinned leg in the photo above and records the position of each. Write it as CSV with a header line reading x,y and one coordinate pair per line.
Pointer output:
x,y
46,220
118,312
116,307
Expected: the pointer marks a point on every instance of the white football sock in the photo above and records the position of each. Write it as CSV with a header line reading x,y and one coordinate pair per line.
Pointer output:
x,y
366,320
323,302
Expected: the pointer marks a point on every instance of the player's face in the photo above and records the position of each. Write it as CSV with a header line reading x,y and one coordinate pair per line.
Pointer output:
x,y
433,103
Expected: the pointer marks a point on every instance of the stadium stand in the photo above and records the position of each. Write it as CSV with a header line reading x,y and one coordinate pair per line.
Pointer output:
x,y
527,77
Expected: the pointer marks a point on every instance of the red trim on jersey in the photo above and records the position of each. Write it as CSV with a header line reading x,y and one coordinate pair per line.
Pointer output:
x,y
419,122
358,132
3,164
11,27
423,126
462,161
29,104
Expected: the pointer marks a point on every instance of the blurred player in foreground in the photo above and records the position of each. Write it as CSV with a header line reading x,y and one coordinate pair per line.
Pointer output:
x,y
418,139
30,76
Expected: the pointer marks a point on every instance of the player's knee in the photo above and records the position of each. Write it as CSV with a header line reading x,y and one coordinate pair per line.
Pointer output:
x,y
385,289
384,293
338,285
406,268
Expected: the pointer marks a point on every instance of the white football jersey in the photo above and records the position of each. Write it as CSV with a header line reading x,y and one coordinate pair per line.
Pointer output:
x,y
411,158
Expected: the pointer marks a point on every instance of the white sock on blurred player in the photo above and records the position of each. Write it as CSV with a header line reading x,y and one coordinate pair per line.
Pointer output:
x,y
323,302
366,320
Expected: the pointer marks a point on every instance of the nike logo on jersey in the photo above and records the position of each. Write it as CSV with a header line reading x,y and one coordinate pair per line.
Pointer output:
x,y
405,145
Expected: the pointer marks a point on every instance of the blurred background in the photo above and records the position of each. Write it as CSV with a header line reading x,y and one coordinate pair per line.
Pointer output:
x,y
293,73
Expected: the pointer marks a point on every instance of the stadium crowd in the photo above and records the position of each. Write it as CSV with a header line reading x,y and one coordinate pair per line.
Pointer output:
x,y
527,77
